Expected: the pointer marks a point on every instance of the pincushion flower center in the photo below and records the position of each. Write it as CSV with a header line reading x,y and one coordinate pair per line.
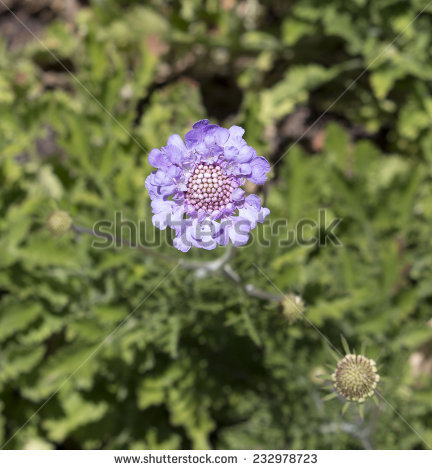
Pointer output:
x,y
209,188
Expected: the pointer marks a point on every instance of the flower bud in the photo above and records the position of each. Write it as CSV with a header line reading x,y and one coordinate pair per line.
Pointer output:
x,y
59,222
292,308
318,375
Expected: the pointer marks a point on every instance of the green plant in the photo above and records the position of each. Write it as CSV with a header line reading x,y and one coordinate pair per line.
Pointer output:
x,y
201,363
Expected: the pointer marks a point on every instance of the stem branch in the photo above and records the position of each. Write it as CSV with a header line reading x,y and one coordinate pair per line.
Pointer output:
x,y
201,268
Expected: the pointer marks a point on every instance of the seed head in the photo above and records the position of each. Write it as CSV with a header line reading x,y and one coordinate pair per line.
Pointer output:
x,y
59,222
355,377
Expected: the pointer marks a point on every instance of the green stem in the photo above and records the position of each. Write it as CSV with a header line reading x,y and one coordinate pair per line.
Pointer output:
x,y
201,268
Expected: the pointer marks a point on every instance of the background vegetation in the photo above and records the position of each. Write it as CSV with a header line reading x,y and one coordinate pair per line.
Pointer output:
x,y
86,89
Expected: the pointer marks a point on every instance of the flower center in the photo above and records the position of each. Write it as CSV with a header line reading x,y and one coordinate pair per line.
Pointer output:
x,y
209,188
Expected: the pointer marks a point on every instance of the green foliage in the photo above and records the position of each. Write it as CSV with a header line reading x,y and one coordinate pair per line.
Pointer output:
x,y
198,363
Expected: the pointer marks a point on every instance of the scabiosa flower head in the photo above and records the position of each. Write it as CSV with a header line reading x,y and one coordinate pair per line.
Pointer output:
x,y
196,189
355,377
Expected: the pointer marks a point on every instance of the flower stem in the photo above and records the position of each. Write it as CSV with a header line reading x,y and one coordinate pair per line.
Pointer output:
x,y
201,268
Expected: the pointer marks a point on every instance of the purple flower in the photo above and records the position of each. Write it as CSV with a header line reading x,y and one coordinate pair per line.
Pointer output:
x,y
196,188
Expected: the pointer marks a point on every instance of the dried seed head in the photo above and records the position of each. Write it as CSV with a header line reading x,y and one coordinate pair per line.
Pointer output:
x,y
355,377
59,222
292,308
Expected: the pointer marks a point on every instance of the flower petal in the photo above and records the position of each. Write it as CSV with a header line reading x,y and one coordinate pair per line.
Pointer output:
x,y
181,243
176,140
254,201
222,237
246,154
156,159
174,154
235,136
216,135
160,220
237,195
197,134
260,168
231,153
245,169
239,231
253,211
